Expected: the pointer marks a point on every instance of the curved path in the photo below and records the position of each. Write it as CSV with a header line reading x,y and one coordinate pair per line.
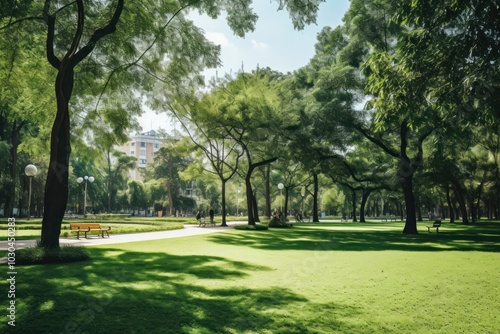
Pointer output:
x,y
94,240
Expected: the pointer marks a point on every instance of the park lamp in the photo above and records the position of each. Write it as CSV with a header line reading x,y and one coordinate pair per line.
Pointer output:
x,y
280,187
30,171
80,180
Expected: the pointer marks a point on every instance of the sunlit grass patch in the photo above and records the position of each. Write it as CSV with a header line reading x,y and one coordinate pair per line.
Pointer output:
x,y
321,279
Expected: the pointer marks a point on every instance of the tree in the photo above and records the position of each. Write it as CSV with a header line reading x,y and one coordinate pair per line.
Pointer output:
x,y
23,104
137,197
398,117
247,113
196,51
222,155
168,162
240,19
115,174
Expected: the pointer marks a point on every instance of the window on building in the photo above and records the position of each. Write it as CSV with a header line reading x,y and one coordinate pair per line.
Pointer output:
x,y
132,144
157,145
132,152
142,152
143,144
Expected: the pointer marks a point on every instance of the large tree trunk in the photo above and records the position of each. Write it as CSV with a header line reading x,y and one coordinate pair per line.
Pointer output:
x,y
450,205
56,187
364,199
411,219
255,207
223,202
267,177
249,196
252,216
459,194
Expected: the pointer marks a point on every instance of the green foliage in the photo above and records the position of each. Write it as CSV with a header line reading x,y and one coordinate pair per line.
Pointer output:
x,y
112,216
136,195
256,227
276,222
40,255
279,287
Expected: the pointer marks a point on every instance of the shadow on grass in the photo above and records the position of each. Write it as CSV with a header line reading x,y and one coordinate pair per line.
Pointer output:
x,y
359,237
132,292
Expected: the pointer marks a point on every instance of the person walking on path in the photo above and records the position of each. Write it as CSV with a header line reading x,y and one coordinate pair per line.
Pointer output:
x,y
211,213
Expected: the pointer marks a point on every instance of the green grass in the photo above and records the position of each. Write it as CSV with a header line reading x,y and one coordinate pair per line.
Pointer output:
x,y
39,255
312,278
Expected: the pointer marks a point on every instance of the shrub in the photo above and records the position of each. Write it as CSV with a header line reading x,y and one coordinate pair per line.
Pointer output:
x,y
256,227
275,222
40,255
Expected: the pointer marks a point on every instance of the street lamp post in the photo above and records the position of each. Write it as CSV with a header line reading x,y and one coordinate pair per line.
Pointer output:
x,y
80,180
30,171
280,187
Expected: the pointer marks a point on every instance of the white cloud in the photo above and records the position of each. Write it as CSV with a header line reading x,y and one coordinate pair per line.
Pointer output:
x,y
259,45
217,38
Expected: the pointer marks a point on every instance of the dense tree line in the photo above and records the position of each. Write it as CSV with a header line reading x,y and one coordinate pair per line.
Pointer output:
x,y
400,103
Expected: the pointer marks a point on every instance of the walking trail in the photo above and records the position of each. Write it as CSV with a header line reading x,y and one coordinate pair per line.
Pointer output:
x,y
94,240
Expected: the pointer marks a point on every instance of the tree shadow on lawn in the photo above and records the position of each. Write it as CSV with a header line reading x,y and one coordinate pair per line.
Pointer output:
x,y
133,292
328,237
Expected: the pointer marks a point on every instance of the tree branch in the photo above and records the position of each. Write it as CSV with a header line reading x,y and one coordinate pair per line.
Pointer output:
x,y
50,20
99,34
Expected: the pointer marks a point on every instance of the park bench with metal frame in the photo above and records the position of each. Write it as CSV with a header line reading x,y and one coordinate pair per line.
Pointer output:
x,y
436,225
87,227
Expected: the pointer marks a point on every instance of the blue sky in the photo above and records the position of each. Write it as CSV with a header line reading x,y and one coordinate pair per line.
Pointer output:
x,y
274,43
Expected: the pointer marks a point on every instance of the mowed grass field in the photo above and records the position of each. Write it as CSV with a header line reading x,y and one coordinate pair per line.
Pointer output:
x,y
312,278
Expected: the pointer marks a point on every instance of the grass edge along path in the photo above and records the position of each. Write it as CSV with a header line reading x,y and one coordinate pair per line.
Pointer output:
x,y
314,278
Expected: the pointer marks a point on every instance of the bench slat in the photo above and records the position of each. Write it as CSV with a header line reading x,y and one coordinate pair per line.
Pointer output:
x,y
87,227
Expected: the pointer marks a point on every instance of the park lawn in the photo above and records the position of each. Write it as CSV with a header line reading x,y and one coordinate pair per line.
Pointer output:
x,y
312,278
33,230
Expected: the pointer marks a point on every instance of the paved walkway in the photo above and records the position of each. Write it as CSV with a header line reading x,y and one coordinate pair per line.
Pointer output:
x,y
94,240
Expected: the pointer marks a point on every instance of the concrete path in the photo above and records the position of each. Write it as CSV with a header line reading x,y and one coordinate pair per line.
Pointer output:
x,y
94,240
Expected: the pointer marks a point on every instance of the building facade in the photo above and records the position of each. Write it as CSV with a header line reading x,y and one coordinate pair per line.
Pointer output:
x,y
143,146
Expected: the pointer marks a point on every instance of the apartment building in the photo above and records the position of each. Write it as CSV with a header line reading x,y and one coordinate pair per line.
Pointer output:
x,y
143,146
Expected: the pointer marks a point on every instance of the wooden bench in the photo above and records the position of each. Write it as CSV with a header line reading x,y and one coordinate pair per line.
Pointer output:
x,y
436,225
87,227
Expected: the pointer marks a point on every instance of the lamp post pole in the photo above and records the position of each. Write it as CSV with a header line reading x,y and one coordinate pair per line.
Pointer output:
x,y
280,187
80,180
30,171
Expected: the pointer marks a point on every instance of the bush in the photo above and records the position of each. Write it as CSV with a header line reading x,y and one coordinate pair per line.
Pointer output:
x,y
112,215
40,255
256,227
275,222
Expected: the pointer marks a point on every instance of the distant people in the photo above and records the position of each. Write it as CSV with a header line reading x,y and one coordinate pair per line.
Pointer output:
x,y
430,215
200,217
211,213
